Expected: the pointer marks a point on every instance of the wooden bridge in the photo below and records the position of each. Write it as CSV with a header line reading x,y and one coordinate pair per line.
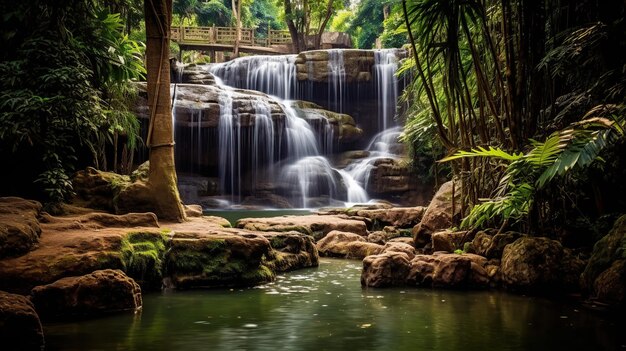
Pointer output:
x,y
223,39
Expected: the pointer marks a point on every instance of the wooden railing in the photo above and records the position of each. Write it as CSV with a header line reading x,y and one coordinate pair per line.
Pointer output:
x,y
227,35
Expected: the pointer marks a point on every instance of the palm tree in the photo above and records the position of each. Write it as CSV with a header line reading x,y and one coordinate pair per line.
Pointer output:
x,y
160,140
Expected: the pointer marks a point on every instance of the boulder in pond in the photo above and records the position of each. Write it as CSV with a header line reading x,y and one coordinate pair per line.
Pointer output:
x,y
539,265
450,241
20,328
439,213
217,258
384,270
394,246
604,277
291,250
100,292
492,246
315,225
346,245
442,270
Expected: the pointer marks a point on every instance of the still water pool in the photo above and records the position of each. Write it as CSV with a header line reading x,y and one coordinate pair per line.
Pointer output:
x,y
325,308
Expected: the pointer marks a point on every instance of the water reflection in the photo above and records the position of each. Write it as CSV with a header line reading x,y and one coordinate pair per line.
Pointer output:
x,y
325,309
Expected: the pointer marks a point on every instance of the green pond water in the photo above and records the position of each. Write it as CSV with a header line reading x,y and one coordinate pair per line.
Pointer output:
x,y
325,308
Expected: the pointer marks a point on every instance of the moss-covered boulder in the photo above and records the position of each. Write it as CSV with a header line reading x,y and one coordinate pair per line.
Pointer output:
x,y
492,246
604,277
539,265
291,250
19,227
100,292
450,271
20,328
97,189
209,260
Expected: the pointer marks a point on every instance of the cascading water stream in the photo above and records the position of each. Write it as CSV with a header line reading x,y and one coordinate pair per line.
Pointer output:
x,y
336,79
273,75
288,151
380,147
385,67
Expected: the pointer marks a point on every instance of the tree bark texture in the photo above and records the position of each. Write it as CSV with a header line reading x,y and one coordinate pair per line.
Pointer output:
x,y
162,176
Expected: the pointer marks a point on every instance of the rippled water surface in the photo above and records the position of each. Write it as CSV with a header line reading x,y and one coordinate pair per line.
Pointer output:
x,y
325,309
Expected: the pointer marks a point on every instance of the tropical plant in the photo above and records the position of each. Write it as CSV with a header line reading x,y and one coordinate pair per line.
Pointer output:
x,y
55,75
563,152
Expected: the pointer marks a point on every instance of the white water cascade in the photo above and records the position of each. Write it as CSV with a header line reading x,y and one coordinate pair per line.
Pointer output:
x,y
272,143
273,75
385,67
384,145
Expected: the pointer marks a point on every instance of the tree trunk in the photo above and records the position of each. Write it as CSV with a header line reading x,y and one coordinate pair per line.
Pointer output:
x,y
320,31
293,31
236,7
162,174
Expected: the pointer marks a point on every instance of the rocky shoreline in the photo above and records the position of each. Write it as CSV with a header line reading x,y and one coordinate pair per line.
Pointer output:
x,y
89,262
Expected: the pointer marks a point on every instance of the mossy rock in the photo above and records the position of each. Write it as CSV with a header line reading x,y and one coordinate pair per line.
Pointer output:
x,y
143,253
215,261
606,251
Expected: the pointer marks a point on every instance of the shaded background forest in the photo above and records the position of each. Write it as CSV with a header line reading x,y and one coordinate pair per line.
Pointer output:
x,y
523,100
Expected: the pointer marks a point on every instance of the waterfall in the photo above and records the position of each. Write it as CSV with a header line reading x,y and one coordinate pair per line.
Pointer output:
x,y
229,176
301,141
274,143
380,147
263,137
273,75
336,79
385,67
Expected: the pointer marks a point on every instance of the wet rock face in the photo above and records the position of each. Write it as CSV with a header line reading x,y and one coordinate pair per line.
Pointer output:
x,y
448,271
539,265
201,259
346,245
438,215
291,250
20,328
492,246
314,225
604,276
314,65
97,293
384,270
381,216
19,227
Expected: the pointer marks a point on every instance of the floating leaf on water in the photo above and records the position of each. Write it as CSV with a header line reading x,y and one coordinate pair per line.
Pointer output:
x,y
366,325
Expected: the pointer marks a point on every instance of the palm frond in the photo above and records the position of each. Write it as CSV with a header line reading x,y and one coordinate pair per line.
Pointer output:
x,y
482,152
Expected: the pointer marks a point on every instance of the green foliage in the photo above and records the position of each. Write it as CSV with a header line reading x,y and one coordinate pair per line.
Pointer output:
x,y
143,254
214,13
61,75
367,23
574,148
342,21
394,30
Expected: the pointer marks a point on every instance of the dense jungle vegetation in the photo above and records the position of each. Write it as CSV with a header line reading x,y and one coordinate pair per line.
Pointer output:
x,y
522,102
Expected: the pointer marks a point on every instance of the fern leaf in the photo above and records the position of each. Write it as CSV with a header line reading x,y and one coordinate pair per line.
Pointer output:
x,y
580,153
482,152
545,153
